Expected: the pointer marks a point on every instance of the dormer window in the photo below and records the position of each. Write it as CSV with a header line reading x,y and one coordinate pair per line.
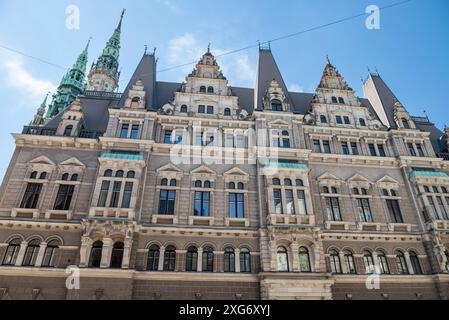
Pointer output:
x,y
135,102
323,119
339,120
184,109
346,120
201,109
227,112
210,110
276,105
341,100
68,131
203,89
210,90
334,100
362,122
405,123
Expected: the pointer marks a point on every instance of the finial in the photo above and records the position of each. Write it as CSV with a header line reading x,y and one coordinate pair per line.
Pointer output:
x,y
269,45
154,51
208,48
119,27
369,70
88,43
258,43
146,48
327,59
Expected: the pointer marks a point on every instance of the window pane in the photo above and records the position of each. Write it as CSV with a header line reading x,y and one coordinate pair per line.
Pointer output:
x,y
126,202
115,194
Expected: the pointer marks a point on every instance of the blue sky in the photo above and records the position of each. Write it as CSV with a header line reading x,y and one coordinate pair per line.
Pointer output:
x,y
410,50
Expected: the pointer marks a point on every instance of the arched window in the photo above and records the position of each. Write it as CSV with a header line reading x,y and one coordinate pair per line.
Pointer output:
x,y
444,189
170,258
74,177
299,183
335,261
191,259
43,176
325,190
304,260
355,191
276,182
240,186
323,119
131,174
227,112
31,253
229,260
198,184
231,185
119,174
95,254
50,253
184,109
383,263
405,123
341,100
245,260
108,173
203,89
68,131
164,182
362,122
401,263
210,90
414,260
334,99
368,261
334,190
135,102
153,258
207,184
117,255
282,259
33,175
208,259
349,261
288,182
364,191
65,177
12,251
173,183
276,105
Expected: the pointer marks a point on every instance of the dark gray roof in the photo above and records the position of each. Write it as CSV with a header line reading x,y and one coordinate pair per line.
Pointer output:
x,y
164,93
267,72
301,102
435,134
246,98
145,71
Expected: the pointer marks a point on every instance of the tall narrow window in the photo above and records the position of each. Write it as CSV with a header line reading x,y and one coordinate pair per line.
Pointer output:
x,y
208,259
372,150
124,131
236,205
115,194
31,252
117,255
381,149
369,262
344,148
364,210
349,261
50,253
191,259
411,149
420,150
405,123
277,198
285,140
442,208
317,146
202,202
170,258
335,261
153,258
64,197
326,146
290,207
395,211
333,209
31,196
245,260
12,251
229,260
401,263
167,202
415,263
134,131
95,254
127,193
302,207
282,259
167,137
383,263
103,194
304,260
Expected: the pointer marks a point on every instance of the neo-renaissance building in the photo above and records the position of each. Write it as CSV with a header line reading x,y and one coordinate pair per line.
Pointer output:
x,y
201,190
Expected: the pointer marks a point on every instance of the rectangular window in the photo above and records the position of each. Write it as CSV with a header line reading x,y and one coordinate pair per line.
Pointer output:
x,y
229,140
31,196
372,150
355,150
289,202
124,131
201,109
199,139
277,197
167,136
345,148
240,141
381,149
115,194
167,202
202,202
364,210
236,205
420,150
316,146
395,211
433,207
442,208
302,208
134,131
64,197
127,193
346,119
210,110
103,194
338,119
326,146
411,149
333,209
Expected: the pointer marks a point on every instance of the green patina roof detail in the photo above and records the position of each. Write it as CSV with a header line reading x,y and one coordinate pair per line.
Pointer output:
x,y
124,156
417,173
286,165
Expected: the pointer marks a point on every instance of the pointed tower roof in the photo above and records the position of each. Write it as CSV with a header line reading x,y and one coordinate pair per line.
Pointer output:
x,y
43,105
331,78
266,73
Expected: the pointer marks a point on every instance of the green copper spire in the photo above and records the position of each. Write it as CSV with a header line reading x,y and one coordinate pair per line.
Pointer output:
x,y
104,73
72,85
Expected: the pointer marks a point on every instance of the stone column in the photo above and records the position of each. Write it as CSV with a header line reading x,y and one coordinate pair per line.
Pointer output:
x,y
294,248
84,251
21,254
106,253
344,267
199,266
376,263
161,259
409,263
40,254
237,260
127,253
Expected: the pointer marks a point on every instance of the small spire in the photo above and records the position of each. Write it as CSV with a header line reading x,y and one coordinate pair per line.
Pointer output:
x,y
327,59
119,27
208,48
88,44
369,70
146,48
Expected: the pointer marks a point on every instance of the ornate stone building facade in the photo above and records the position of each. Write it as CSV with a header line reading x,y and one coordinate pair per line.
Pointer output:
x,y
200,190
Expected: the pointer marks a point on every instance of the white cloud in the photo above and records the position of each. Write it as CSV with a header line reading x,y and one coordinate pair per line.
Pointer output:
x,y
17,77
295,88
237,67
